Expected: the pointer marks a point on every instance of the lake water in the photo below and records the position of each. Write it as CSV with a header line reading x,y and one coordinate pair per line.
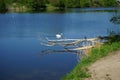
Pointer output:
x,y
20,49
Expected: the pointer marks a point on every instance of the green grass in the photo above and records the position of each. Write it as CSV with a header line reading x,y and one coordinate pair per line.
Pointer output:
x,y
81,70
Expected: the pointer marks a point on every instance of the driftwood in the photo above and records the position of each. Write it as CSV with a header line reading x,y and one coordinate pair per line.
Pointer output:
x,y
68,42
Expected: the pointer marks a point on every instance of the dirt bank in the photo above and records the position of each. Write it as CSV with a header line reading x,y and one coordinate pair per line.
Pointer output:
x,y
107,68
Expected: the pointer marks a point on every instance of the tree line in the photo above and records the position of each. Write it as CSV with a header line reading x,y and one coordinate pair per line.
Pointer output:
x,y
37,5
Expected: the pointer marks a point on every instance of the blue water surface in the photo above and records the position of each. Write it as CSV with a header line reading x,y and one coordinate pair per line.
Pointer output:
x,y
20,49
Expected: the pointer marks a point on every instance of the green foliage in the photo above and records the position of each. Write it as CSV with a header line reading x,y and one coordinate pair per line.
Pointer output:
x,y
84,3
113,37
81,70
72,3
3,8
38,5
109,3
61,4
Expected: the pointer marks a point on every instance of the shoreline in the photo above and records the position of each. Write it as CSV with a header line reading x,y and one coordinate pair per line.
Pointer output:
x,y
81,71
107,68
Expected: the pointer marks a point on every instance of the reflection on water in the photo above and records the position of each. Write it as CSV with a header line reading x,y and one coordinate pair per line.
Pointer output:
x,y
20,59
20,48
80,53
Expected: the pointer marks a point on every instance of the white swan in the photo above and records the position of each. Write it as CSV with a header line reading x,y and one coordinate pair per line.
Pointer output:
x,y
58,36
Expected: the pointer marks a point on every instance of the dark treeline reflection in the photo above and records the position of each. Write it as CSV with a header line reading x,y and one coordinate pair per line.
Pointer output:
x,y
80,53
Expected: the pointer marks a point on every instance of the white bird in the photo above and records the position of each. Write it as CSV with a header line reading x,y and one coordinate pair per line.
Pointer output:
x,y
58,36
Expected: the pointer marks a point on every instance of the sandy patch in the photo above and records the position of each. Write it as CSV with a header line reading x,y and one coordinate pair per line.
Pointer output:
x,y
107,68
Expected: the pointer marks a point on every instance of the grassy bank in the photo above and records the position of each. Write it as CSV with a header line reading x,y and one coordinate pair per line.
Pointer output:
x,y
81,70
